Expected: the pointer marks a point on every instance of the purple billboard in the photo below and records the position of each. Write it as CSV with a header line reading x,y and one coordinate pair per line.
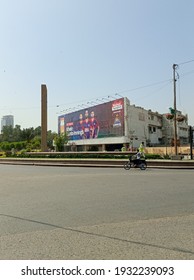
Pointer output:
x,y
104,120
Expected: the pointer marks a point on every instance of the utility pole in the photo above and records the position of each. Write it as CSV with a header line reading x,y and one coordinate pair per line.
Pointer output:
x,y
191,141
175,120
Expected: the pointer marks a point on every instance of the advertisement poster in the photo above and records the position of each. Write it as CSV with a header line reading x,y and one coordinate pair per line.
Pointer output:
x,y
103,120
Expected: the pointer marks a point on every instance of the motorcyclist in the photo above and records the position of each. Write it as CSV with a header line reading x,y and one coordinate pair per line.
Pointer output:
x,y
137,158
141,149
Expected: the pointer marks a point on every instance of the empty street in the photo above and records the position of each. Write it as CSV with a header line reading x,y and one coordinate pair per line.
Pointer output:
x,y
95,213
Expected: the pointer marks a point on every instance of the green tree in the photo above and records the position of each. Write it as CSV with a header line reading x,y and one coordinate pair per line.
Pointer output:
x,y
36,142
17,133
50,138
7,133
28,134
37,131
60,141
5,146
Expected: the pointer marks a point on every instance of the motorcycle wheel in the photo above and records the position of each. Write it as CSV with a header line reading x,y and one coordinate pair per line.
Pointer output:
x,y
143,166
127,166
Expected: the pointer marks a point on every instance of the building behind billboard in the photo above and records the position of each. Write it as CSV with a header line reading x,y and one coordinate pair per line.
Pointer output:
x,y
114,124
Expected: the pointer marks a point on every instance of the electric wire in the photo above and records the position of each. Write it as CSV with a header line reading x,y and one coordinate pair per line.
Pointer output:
x,y
186,62
102,98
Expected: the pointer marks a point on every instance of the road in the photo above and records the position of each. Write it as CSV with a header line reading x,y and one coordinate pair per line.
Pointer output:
x,y
95,213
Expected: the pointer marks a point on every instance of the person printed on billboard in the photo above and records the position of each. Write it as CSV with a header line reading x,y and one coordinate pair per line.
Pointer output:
x,y
80,127
86,126
94,126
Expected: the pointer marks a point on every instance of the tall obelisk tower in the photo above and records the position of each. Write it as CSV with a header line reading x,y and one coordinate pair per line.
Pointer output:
x,y
43,118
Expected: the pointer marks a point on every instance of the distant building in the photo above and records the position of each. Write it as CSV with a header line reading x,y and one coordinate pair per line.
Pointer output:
x,y
7,121
117,123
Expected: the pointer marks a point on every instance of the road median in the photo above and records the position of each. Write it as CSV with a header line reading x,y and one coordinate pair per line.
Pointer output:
x,y
106,163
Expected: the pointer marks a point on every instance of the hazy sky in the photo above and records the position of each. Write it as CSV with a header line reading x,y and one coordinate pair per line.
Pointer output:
x,y
85,50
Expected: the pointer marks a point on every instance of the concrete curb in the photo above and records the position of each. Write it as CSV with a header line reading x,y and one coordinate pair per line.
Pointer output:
x,y
103,163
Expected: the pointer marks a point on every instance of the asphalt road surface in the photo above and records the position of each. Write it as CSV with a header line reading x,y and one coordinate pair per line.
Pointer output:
x,y
95,213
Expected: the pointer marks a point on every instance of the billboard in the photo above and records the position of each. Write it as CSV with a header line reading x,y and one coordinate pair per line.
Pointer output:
x,y
103,120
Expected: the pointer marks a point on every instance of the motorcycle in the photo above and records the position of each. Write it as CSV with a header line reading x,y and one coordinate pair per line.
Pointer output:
x,y
135,163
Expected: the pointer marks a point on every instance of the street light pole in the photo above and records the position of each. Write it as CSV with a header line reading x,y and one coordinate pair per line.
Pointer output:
x,y
191,141
175,120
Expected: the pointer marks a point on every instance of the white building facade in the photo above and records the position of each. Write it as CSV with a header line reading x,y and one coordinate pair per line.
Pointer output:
x,y
114,124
